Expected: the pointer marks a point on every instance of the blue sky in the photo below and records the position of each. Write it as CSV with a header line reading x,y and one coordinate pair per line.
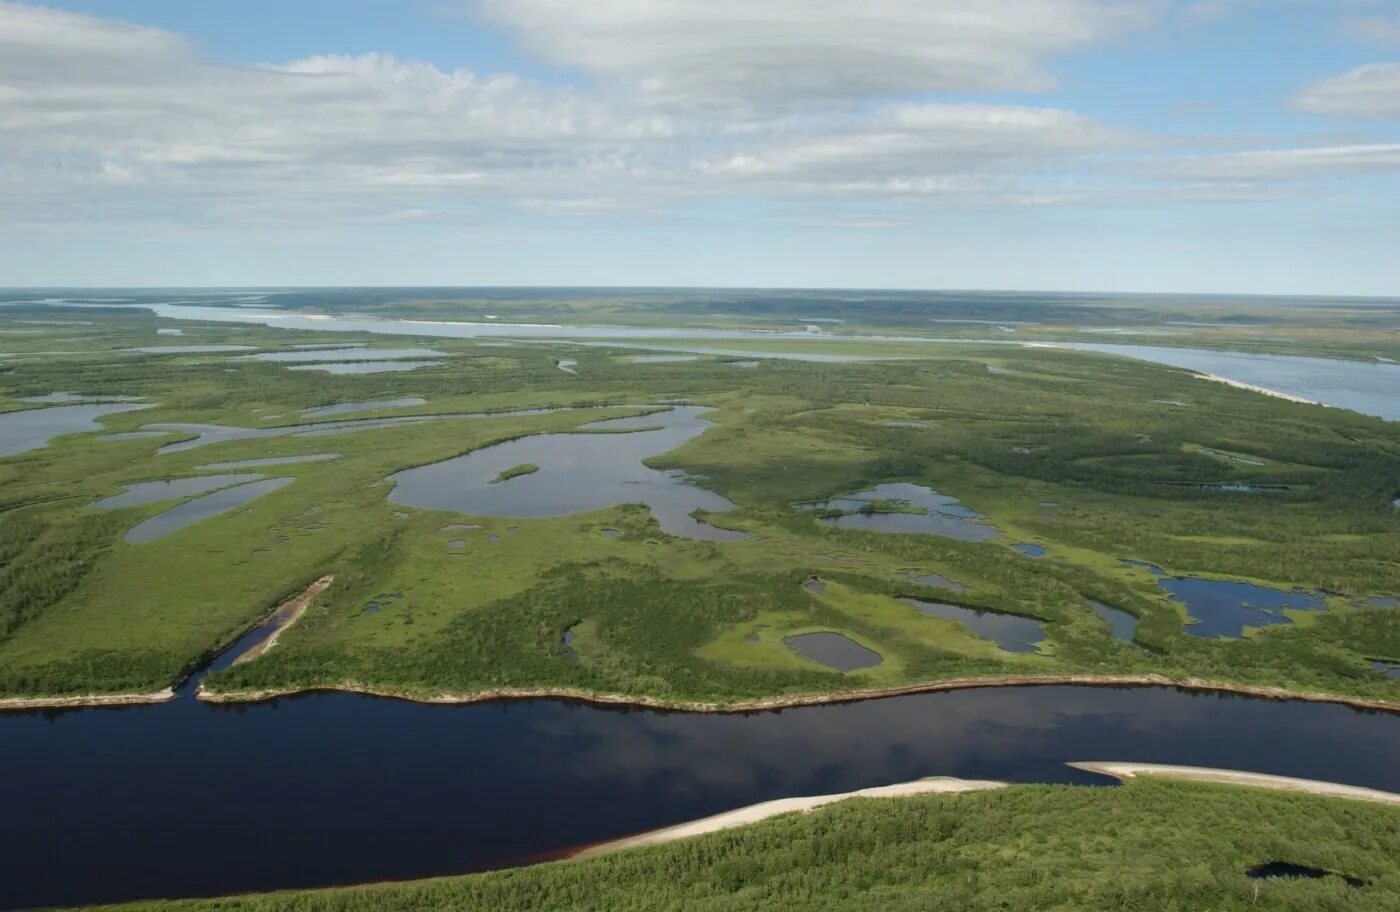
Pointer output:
x,y
1133,145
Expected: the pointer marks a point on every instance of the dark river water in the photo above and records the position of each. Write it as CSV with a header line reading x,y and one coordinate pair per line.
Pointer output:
x,y
187,799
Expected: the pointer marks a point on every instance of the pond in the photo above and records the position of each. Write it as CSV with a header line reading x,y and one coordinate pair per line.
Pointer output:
x,y
309,355
1029,550
660,359
103,805
341,408
1009,631
934,579
201,508
149,492
1223,608
1121,624
833,650
916,510
32,429
207,434
578,472
190,349
365,367
1389,669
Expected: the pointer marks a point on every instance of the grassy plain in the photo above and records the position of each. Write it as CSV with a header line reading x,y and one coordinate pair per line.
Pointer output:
x,y
1149,845
1089,456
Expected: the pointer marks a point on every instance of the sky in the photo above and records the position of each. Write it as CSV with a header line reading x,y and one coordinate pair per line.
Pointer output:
x,y
1089,145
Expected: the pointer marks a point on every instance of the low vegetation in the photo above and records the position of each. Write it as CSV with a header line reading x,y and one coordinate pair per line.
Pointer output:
x,y
1090,456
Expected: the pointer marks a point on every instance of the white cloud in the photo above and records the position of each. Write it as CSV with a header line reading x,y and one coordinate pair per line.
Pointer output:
x,y
1288,164
1368,91
741,51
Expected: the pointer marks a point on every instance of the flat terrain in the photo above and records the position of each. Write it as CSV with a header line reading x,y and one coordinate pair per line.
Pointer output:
x,y
1151,844
1096,459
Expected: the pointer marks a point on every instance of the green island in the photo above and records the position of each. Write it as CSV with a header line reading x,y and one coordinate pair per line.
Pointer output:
x,y
525,468
1151,844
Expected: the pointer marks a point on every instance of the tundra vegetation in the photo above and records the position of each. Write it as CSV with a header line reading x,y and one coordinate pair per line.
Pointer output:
x,y
1096,458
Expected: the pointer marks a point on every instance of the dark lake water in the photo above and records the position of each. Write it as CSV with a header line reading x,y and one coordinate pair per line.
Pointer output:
x,y
364,367
1008,631
149,492
1223,608
833,650
189,799
935,513
32,429
202,508
578,472
342,408
1121,623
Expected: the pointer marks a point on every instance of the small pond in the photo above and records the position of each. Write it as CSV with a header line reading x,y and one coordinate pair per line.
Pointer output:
x,y
917,510
149,492
1029,550
1382,601
32,429
364,367
578,472
1010,632
341,408
1288,870
934,579
190,349
1122,624
661,359
202,508
1223,608
1389,669
309,356
833,650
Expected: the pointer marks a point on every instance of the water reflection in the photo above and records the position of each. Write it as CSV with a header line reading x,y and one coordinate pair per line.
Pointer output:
x,y
118,804
202,508
1010,632
907,509
832,650
32,429
578,472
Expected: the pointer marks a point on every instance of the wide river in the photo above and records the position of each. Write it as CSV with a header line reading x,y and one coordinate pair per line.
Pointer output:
x,y
1372,388
187,798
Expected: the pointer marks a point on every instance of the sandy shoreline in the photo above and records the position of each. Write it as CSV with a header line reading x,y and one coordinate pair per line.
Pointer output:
x,y
1125,771
1239,384
934,785
126,699
293,609
817,699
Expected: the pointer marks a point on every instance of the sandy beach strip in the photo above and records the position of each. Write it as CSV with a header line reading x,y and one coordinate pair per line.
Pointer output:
x,y
935,785
1240,384
21,704
1124,771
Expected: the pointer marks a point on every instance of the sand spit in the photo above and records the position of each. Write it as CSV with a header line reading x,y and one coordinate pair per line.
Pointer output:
x,y
1237,777
935,785
814,699
22,704
1237,384
287,614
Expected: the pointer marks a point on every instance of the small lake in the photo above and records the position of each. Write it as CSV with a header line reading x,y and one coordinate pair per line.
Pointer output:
x,y
201,508
365,367
578,472
934,579
1122,624
316,355
833,650
190,349
32,429
207,434
149,492
1223,608
1029,550
1389,669
933,513
343,408
103,805
660,359
1010,632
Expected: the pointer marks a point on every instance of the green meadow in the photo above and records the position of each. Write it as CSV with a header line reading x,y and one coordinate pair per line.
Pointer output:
x,y
1095,458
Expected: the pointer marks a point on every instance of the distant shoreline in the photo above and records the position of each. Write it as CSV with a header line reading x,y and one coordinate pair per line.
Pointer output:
x,y
1240,384
798,700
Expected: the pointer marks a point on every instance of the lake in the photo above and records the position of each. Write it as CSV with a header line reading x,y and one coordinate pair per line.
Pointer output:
x,y
577,472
